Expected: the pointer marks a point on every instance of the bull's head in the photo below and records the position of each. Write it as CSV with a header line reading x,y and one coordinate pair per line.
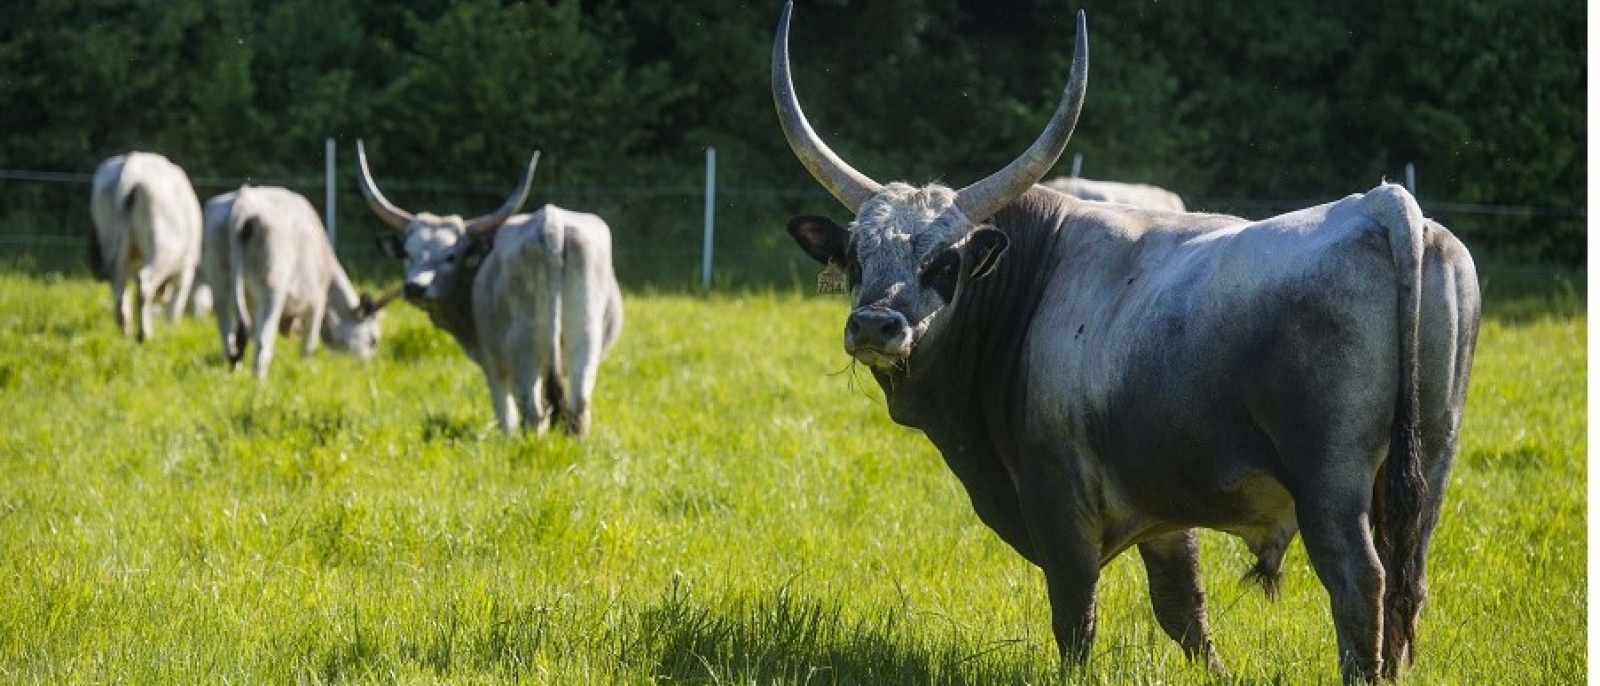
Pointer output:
x,y
428,242
910,251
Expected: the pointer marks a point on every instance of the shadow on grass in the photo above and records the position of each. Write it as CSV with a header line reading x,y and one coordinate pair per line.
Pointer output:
x,y
785,639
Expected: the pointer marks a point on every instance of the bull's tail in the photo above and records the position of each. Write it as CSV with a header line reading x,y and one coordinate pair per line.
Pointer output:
x,y
1398,511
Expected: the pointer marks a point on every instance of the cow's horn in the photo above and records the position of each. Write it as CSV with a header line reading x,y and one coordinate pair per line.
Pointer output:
x,y
494,219
387,211
850,187
389,296
981,200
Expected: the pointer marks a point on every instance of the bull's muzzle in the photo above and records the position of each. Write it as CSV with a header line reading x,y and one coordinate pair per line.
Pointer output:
x,y
878,336
417,283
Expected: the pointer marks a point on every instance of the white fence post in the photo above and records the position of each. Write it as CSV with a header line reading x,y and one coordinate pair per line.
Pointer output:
x,y
333,231
1411,178
711,215
1077,163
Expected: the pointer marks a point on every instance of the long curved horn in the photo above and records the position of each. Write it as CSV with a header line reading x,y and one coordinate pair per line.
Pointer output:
x,y
850,187
494,219
982,199
387,211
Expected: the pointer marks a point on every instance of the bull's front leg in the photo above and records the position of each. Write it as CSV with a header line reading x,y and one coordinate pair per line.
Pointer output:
x,y
1066,544
1172,563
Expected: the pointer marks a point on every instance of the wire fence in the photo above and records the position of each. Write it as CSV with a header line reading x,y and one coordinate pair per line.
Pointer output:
x,y
44,221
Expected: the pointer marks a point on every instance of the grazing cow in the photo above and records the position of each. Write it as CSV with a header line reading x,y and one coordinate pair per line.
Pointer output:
x,y
1102,377
274,271
1135,194
531,298
146,219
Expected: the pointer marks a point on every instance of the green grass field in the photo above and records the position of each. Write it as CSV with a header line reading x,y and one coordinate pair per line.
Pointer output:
x,y
744,512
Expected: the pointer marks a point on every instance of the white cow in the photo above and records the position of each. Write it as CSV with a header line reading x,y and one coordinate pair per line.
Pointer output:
x,y
1134,194
532,298
269,260
147,226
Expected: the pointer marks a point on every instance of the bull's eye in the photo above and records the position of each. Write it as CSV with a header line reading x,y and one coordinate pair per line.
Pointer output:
x,y
940,275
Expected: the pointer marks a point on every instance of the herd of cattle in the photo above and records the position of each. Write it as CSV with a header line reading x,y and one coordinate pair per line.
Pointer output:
x,y
1101,369
537,314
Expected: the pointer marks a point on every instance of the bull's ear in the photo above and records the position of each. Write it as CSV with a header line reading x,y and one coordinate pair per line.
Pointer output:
x,y
389,244
822,238
985,246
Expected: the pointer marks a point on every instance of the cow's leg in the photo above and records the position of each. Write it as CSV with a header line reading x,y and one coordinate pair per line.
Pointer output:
x,y
1334,525
149,288
498,376
229,327
581,341
1172,563
121,300
180,299
530,359
266,333
313,326
1067,549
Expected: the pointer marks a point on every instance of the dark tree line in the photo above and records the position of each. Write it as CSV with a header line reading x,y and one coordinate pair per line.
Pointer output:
x,y
1301,100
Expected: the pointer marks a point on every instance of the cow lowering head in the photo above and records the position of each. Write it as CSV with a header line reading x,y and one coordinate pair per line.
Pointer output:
x,y
357,333
426,241
910,250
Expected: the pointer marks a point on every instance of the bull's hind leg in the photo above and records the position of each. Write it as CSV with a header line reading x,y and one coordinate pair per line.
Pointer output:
x,y
121,301
1172,563
180,297
149,287
1334,525
584,310
505,409
529,360
581,352
269,314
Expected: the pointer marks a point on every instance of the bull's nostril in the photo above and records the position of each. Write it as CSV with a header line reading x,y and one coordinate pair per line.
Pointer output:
x,y
889,329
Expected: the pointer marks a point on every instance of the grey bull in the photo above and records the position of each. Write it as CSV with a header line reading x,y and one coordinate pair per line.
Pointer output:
x,y
146,228
531,298
1101,377
273,270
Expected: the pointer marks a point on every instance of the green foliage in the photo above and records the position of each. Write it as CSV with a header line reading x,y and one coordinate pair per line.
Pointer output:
x,y
744,512
1236,108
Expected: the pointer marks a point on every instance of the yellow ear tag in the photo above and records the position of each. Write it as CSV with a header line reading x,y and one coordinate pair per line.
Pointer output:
x,y
831,280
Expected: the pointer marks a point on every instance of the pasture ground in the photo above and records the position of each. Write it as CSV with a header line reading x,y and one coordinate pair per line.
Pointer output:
x,y
744,512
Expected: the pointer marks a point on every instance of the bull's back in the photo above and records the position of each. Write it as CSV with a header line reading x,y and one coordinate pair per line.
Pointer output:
x,y
1197,358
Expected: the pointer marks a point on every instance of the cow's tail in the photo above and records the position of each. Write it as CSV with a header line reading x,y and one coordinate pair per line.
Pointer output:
x,y
1398,513
97,257
242,228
